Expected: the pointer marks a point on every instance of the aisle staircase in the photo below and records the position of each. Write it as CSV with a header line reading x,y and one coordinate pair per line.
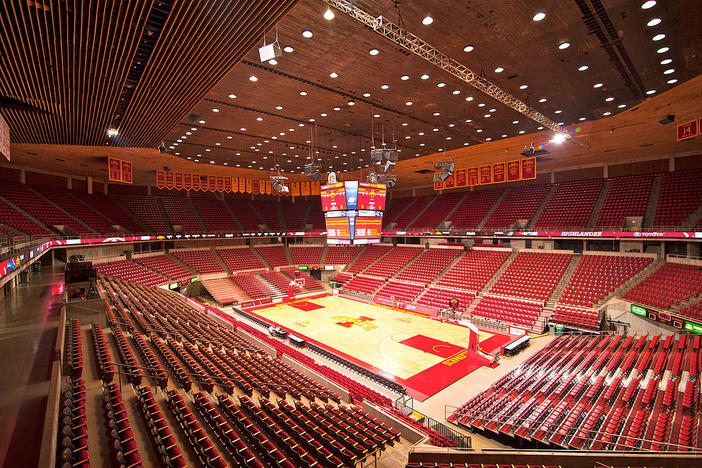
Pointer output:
x,y
652,206
492,209
539,211
597,209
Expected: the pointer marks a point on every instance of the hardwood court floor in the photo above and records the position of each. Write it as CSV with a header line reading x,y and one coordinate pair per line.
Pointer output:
x,y
423,354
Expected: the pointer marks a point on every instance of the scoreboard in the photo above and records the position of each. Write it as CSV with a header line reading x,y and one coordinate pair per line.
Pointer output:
x,y
353,212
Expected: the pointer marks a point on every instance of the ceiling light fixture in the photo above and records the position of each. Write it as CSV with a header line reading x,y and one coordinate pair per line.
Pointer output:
x,y
427,20
333,75
673,81
499,69
373,51
288,49
232,96
307,33
648,4
564,45
253,78
440,84
468,48
583,67
539,16
424,76
663,50
328,15
659,37
654,22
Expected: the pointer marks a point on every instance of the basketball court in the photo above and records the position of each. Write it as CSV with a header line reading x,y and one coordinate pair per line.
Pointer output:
x,y
423,354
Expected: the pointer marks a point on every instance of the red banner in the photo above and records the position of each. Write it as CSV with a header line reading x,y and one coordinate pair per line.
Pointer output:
x,y
196,181
513,172
438,184
249,185
304,188
529,168
114,169
187,181
315,187
461,180
450,182
169,180
220,183
255,187
486,174
127,172
160,179
473,176
688,130
498,173
212,183
269,187
178,182
227,184
295,189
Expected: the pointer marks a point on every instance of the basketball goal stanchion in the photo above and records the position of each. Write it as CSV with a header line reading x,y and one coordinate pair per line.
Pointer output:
x,y
296,284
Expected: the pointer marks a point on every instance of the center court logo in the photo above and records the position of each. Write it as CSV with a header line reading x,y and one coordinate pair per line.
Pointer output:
x,y
361,322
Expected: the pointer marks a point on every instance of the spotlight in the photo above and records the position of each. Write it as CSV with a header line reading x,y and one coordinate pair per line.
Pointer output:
x,y
269,52
376,156
312,171
112,132
328,15
161,147
390,180
278,183
558,138
446,168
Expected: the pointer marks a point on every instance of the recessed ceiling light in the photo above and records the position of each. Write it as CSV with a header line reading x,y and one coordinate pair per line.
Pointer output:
x,y
424,76
452,125
479,130
659,37
488,139
558,111
408,103
651,91
523,86
211,162
259,118
455,91
404,77
229,137
193,128
469,98
307,33
654,22
436,114
487,116
273,62
598,85
404,124
492,110
232,96
666,61
564,45
539,16
384,86
279,107
621,106
440,84
607,113
218,144
366,94
582,118
609,99
373,51
421,134
515,122
243,129
469,120
301,124
482,104
427,20
540,128
188,133
435,129
504,135
376,116
673,81
648,4
323,114
350,103
337,108
561,123
583,67
328,15
303,93
499,70
333,75
421,144
669,71
253,78
521,132
288,49
468,48
543,99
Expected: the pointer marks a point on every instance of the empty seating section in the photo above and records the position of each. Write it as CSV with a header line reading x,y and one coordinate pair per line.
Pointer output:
x,y
597,276
668,286
147,210
416,205
40,208
571,205
240,259
681,194
311,284
202,261
269,212
597,393
274,255
294,214
474,269
428,265
391,263
306,255
131,272
215,215
364,284
74,349
440,207
253,285
246,216
508,309
627,196
73,426
119,430
180,212
278,280
315,216
576,317
474,208
163,438
166,266
518,203
399,290
369,255
692,310
19,222
224,291
532,275
438,297
76,208
342,254
107,207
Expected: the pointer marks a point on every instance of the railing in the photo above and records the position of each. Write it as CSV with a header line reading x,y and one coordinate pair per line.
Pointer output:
x,y
405,405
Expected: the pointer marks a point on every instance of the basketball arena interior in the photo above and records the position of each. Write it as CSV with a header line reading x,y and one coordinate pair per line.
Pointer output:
x,y
364,233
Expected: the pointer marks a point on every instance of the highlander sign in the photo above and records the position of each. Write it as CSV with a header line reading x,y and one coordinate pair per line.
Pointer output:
x,y
616,234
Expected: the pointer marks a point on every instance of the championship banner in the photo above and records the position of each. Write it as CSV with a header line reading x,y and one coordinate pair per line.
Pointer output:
x,y
256,187
127,172
688,130
249,186
295,189
114,169
242,185
227,184
187,181
497,173
305,188
269,187
196,181
4,138
220,183
212,183
315,187
160,179
178,182
169,180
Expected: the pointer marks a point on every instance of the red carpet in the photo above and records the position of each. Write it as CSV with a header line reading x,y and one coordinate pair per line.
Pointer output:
x,y
305,306
493,343
431,381
431,345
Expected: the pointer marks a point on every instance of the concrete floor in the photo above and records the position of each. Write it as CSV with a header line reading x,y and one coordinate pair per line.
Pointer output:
x,y
28,325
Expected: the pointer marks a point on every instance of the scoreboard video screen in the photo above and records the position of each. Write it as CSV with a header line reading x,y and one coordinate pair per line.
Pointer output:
x,y
353,212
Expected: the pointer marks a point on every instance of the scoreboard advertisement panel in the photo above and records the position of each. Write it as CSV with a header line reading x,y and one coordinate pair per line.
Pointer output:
x,y
333,197
371,196
339,227
368,228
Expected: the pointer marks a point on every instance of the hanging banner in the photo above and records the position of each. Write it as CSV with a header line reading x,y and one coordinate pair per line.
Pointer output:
x,y
688,130
305,188
295,189
242,185
438,184
473,174
269,187
315,187
178,182
187,181
114,169
227,184
460,175
4,138
160,179
249,185
220,183
254,186
169,180
450,182
498,173
212,183
529,168
127,172
513,171
196,181
486,174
